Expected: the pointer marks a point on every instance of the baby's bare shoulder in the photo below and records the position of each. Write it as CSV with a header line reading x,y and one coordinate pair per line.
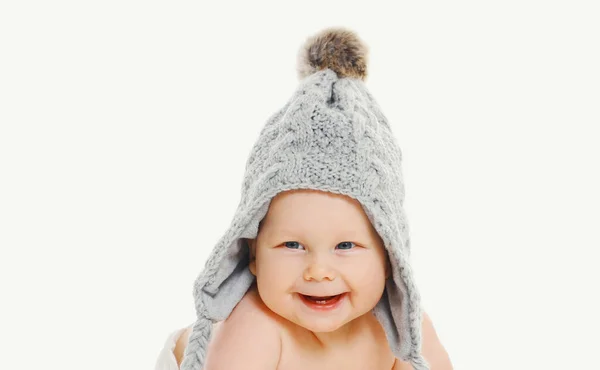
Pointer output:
x,y
433,349
243,336
249,338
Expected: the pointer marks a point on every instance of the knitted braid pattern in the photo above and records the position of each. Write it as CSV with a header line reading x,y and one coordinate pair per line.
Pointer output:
x,y
195,352
331,136
419,363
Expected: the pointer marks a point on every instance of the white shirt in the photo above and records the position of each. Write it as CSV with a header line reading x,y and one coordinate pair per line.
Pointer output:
x,y
166,358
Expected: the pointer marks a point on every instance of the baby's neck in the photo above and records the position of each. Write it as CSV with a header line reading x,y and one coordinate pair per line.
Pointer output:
x,y
352,335
345,335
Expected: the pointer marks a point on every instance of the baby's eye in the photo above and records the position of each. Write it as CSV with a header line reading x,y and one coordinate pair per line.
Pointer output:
x,y
293,245
345,245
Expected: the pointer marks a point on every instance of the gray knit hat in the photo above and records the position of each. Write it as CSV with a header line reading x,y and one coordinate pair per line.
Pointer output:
x,y
330,136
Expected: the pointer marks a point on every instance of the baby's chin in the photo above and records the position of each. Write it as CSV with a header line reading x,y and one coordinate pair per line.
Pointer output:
x,y
319,322
314,322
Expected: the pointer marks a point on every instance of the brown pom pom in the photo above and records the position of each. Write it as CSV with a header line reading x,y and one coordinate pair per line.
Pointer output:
x,y
336,48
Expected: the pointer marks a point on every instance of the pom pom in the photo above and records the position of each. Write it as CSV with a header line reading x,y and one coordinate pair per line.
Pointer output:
x,y
338,49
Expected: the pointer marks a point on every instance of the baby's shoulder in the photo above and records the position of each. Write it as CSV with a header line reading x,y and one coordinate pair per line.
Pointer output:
x,y
249,335
250,314
249,338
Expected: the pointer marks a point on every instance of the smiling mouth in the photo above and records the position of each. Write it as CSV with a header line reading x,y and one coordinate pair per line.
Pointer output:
x,y
322,301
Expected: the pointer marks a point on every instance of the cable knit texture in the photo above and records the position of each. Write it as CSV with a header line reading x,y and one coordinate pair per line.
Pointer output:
x,y
330,136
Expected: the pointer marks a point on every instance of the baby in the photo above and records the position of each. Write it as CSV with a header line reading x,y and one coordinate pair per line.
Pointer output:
x,y
312,244
314,271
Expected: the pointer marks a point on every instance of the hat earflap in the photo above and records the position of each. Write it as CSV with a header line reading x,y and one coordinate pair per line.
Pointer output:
x,y
195,352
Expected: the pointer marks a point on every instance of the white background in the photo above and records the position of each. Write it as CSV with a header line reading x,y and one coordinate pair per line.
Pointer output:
x,y
125,127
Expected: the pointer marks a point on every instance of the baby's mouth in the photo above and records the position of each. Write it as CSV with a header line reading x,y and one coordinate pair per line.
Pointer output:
x,y
322,300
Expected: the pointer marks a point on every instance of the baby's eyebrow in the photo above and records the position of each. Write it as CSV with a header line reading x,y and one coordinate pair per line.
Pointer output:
x,y
340,236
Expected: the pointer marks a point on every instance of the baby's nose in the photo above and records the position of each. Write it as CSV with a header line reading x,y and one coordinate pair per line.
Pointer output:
x,y
319,271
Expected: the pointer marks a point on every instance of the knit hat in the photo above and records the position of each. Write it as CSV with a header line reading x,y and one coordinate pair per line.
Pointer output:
x,y
330,136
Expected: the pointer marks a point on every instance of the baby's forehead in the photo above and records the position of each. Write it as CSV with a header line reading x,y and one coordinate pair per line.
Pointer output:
x,y
279,225
316,213
314,203
293,218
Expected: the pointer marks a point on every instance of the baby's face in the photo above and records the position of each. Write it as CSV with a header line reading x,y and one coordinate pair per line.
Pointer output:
x,y
317,244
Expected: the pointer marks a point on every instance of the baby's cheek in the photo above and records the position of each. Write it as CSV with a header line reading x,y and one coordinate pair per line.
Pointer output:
x,y
370,275
279,265
278,274
275,281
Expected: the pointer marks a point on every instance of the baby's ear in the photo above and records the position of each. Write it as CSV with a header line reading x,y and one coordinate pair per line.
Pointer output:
x,y
388,268
251,243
